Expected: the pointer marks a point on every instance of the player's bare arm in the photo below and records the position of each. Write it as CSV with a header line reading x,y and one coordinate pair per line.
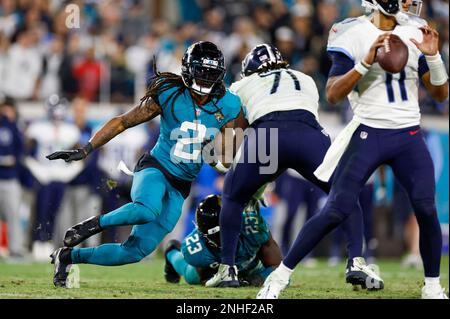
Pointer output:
x,y
338,87
241,124
137,115
430,48
226,144
270,253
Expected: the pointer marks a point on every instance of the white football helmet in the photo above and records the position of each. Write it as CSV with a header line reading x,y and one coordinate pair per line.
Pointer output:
x,y
394,8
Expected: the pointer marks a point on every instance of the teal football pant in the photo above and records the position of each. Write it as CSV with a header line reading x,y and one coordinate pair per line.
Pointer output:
x,y
155,209
185,270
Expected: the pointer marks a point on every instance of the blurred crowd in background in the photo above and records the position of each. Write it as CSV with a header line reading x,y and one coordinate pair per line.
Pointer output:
x,y
108,60
109,56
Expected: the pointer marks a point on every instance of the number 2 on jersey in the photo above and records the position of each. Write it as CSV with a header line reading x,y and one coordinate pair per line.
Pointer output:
x,y
276,81
183,142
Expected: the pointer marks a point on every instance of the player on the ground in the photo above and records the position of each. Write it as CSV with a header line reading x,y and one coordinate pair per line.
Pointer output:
x,y
281,107
193,107
198,257
385,130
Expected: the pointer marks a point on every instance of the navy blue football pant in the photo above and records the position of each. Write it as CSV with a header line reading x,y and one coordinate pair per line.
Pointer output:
x,y
48,202
297,192
299,143
366,202
405,151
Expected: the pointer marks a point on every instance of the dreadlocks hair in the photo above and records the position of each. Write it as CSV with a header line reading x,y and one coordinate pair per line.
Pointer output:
x,y
270,66
163,81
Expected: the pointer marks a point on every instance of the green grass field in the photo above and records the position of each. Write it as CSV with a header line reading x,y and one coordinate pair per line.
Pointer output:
x,y
145,280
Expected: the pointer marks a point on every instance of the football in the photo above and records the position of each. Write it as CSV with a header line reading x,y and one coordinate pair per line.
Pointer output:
x,y
393,55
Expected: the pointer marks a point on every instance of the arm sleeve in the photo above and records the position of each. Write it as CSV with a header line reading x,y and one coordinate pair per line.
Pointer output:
x,y
340,63
423,66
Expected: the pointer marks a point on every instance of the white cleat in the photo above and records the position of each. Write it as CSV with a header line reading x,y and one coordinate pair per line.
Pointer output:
x,y
272,287
225,277
433,292
358,273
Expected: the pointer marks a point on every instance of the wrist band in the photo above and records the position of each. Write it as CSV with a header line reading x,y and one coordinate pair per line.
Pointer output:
x,y
438,73
366,65
220,167
88,148
361,68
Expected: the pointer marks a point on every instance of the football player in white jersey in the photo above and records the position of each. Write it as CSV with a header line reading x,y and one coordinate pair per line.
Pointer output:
x,y
49,135
385,130
278,100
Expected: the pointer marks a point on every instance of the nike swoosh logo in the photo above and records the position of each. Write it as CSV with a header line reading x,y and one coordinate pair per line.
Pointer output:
x,y
413,132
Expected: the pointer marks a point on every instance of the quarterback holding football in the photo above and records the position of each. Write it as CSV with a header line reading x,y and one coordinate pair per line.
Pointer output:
x,y
384,130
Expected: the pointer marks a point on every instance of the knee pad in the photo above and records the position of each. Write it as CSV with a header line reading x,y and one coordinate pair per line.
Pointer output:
x,y
424,207
342,203
145,213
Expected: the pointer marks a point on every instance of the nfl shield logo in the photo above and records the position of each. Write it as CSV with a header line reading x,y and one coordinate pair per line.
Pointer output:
x,y
198,112
363,135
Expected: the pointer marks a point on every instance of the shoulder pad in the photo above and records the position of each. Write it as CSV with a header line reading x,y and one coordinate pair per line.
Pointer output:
x,y
340,28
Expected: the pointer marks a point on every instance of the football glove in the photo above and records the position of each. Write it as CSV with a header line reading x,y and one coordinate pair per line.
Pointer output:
x,y
72,155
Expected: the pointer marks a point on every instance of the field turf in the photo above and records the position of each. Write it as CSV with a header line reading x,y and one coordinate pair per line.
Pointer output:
x,y
146,280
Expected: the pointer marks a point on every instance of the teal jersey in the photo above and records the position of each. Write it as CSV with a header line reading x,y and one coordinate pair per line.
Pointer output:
x,y
185,127
254,233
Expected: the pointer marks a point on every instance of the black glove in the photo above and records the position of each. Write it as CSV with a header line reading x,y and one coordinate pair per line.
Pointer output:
x,y
72,155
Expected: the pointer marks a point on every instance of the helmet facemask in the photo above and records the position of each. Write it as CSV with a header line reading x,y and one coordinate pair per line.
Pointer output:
x,y
415,8
204,77
203,68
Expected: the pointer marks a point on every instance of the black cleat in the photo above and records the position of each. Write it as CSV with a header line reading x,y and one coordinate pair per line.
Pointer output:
x,y
358,273
170,273
62,261
82,231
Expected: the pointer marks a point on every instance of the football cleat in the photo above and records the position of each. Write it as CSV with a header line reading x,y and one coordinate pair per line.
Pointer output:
x,y
82,231
66,275
225,277
433,292
358,273
170,273
272,287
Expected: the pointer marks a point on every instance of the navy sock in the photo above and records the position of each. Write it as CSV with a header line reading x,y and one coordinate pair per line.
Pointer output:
x,y
230,227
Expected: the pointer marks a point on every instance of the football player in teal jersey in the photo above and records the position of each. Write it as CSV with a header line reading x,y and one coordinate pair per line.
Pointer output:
x,y
197,258
193,107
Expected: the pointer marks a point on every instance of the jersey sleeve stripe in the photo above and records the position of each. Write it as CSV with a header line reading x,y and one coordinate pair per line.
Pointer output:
x,y
341,50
